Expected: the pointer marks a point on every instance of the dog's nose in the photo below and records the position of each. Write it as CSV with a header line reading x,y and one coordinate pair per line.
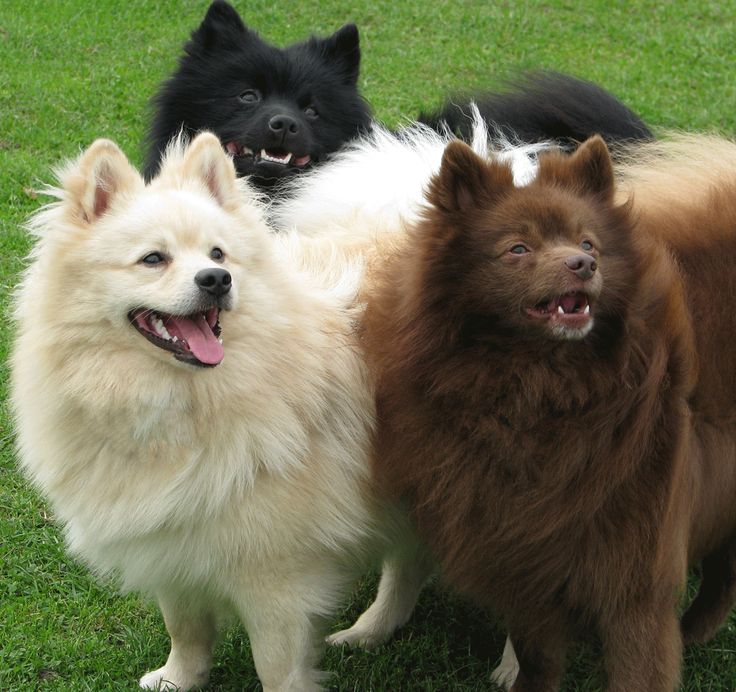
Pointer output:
x,y
582,265
215,281
283,125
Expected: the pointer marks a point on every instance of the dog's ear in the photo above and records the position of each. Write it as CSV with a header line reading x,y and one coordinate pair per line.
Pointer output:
x,y
589,170
343,49
465,179
206,162
221,26
101,174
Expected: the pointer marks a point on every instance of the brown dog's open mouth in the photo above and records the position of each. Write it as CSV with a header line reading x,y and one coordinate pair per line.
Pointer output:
x,y
192,338
572,310
279,156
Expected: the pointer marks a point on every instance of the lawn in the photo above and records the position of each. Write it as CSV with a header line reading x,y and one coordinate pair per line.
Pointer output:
x,y
73,71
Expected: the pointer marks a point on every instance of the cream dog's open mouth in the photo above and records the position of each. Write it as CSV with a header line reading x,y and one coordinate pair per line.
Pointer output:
x,y
193,339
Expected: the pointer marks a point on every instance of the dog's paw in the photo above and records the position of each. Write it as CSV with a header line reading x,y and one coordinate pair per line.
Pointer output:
x,y
356,637
165,680
505,673
158,680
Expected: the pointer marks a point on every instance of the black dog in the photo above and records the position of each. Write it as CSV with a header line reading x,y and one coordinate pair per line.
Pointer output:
x,y
278,111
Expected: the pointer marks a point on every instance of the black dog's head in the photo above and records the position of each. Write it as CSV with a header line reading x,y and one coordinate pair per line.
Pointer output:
x,y
277,111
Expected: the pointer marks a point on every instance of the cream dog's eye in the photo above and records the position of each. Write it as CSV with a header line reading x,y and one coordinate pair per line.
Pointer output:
x,y
217,254
152,259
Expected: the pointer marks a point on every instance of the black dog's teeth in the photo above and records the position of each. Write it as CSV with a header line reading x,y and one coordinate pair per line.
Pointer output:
x,y
235,149
276,157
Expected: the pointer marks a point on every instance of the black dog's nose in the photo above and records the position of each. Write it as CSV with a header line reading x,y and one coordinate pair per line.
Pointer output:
x,y
283,124
215,281
582,265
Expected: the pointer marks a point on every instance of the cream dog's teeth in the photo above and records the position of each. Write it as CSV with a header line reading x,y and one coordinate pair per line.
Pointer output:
x,y
560,311
161,331
587,310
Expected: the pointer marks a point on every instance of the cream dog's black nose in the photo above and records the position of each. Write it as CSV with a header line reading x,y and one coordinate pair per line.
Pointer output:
x,y
215,281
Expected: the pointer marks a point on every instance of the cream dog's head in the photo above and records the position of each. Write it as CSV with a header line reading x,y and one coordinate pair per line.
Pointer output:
x,y
150,267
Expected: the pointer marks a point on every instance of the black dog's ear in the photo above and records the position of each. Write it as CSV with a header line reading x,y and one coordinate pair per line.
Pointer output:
x,y
221,25
343,49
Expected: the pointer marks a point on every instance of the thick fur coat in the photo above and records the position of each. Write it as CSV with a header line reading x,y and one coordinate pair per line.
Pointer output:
x,y
555,402
241,486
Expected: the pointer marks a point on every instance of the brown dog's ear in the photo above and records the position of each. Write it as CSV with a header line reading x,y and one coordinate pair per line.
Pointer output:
x,y
102,173
588,170
465,179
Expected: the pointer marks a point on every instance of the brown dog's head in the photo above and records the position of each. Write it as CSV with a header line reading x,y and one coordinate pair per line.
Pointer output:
x,y
547,261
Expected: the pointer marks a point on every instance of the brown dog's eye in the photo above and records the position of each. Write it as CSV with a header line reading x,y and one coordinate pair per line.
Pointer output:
x,y
519,249
586,245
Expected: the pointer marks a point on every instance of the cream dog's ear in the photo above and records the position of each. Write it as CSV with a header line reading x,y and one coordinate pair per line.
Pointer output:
x,y
205,160
100,175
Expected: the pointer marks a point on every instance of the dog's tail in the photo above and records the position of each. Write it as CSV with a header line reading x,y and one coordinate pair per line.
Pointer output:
x,y
378,181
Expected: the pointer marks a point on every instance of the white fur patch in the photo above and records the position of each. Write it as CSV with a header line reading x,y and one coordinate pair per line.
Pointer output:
x,y
381,178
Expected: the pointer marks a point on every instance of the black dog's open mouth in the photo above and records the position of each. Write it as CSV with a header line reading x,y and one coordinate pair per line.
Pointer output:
x,y
192,338
274,156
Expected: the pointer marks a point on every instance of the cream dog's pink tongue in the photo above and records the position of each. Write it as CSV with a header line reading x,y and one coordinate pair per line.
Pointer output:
x,y
199,336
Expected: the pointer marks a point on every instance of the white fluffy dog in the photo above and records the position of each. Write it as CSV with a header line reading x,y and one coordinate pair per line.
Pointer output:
x,y
214,473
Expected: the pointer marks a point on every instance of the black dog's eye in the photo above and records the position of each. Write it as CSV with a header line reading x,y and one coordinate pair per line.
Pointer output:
x,y
586,245
250,96
519,249
310,112
152,259
217,254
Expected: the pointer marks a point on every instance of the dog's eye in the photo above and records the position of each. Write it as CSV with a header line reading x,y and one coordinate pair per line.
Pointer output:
x,y
152,259
519,249
217,254
250,96
310,112
586,245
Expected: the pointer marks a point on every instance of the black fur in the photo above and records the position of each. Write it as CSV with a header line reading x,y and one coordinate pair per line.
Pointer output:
x,y
545,105
302,99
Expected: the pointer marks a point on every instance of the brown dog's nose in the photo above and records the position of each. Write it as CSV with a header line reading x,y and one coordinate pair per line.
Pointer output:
x,y
582,265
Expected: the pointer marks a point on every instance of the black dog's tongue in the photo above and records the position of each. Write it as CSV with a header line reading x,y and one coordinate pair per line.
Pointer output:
x,y
200,338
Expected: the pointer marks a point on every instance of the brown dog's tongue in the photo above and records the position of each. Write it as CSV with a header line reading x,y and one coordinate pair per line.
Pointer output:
x,y
199,336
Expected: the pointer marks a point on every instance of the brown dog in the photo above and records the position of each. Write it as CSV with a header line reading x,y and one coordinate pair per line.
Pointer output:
x,y
556,389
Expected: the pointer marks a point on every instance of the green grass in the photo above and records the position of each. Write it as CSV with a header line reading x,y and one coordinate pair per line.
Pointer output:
x,y
73,71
